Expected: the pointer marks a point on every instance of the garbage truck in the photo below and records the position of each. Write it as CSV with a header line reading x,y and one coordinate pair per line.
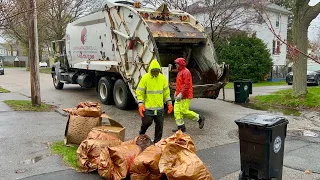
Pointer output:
x,y
111,50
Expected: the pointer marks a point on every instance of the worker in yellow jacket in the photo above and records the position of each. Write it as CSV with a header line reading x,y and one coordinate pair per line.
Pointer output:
x,y
152,92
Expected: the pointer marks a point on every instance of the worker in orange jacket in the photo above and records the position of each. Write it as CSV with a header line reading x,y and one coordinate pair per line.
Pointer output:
x,y
183,96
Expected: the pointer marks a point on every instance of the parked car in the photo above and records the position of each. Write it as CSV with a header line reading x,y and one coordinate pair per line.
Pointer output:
x,y
43,64
1,70
313,75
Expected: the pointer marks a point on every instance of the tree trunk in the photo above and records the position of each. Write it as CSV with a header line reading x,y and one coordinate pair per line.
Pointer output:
x,y
11,49
40,54
34,55
300,31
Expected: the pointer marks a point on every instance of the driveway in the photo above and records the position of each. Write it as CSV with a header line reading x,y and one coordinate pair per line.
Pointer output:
x,y
216,144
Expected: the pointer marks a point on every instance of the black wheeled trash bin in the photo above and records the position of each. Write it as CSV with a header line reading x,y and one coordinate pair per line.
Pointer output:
x,y
241,91
262,146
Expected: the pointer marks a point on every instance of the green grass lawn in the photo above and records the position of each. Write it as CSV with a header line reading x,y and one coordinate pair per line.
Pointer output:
x,y
283,98
3,90
259,84
12,67
25,105
45,70
69,154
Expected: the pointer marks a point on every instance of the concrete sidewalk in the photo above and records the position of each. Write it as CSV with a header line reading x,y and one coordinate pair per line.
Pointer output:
x,y
25,152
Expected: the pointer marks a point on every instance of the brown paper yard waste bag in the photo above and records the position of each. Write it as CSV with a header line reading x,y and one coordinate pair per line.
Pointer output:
x,y
132,141
146,165
81,120
179,160
78,127
143,141
88,153
115,162
180,138
100,135
86,109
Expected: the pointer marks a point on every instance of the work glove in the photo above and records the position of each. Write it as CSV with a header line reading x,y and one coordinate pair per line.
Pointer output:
x,y
141,110
179,97
170,108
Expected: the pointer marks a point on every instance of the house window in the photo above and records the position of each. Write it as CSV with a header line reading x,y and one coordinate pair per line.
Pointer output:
x,y
277,20
276,45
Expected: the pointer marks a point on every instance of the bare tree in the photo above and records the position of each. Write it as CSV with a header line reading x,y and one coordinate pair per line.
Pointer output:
x,y
53,17
220,16
60,12
315,44
172,4
217,15
16,17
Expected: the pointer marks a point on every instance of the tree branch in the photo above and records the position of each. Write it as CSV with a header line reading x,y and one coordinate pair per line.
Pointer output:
x,y
313,12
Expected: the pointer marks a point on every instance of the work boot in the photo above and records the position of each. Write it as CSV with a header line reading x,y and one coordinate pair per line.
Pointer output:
x,y
201,121
182,128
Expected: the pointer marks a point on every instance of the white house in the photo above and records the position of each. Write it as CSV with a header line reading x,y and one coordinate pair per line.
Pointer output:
x,y
6,52
3,51
274,15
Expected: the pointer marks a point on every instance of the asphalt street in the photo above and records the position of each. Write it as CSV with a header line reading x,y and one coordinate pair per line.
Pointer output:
x,y
25,135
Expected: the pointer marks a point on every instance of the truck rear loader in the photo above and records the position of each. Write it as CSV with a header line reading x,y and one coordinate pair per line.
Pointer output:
x,y
111,50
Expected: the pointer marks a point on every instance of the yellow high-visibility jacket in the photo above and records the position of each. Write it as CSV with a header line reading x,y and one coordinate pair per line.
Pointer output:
x,y
153,92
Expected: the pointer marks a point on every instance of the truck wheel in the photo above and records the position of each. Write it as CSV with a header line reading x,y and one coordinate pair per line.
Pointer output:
x,y
105,88
121,94
57,84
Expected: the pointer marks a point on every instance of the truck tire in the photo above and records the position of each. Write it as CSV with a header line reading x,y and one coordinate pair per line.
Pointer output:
x,y
56,83
121,94
105,90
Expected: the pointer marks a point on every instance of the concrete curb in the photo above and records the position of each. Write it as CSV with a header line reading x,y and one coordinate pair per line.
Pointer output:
x,y
62,113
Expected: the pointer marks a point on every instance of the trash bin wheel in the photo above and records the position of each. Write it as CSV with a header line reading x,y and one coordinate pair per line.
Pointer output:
x,y
242,177
247,100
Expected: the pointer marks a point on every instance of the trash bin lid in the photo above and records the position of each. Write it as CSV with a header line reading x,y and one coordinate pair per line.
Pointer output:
x,y
239,81
262,120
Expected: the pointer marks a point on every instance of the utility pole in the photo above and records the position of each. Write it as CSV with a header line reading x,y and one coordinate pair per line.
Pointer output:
x,y
34,55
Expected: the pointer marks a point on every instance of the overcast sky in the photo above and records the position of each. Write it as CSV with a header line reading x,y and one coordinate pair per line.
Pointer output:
x,y
314,27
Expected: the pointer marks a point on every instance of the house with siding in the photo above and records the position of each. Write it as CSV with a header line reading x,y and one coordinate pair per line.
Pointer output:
x,y
4,51
275,15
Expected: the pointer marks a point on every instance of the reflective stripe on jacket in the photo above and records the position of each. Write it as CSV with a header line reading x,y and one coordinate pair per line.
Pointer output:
x,y
153,92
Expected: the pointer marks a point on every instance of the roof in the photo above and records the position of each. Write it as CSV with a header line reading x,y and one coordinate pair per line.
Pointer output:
x,y
199,6
12,58
276,8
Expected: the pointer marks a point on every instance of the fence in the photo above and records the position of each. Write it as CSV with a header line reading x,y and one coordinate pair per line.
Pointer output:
x,y
15,63
279,73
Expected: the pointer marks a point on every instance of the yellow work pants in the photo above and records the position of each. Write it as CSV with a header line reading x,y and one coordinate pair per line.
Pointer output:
x,y
181,110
